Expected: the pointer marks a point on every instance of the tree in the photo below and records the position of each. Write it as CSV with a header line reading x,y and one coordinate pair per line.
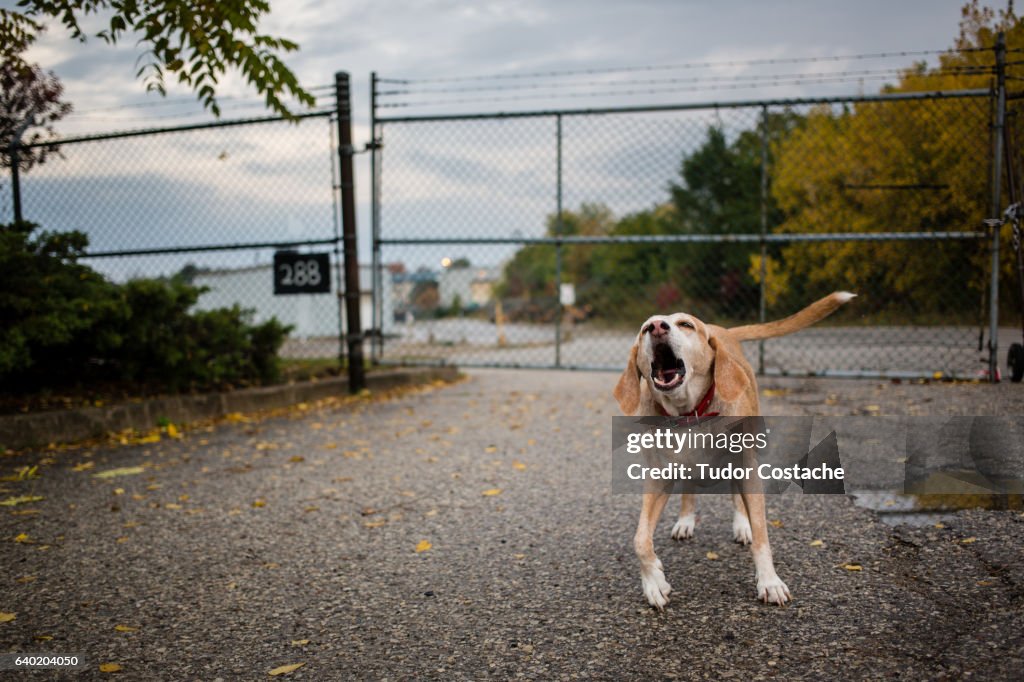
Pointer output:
x,y
193,42
27,92
890,167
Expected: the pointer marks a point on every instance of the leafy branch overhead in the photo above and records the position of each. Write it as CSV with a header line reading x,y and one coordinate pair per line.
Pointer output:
x,y
191,42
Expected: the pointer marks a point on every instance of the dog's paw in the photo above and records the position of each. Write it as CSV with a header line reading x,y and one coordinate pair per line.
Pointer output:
x,y
741,529
684,527
656,588
773,591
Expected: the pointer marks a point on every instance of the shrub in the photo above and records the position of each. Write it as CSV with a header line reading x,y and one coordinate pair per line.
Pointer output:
x,y
65,324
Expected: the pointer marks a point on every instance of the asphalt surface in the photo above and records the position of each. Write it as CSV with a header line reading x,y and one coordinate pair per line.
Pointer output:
x,y
243,547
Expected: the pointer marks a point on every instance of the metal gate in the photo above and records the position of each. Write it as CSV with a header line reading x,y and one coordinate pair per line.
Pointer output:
x,y
543,238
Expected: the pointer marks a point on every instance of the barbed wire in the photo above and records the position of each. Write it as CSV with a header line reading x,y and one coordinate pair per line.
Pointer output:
x,y
624,93
972,70
688,65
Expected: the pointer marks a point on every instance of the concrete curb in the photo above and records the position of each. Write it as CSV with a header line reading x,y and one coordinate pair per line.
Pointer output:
x,y
65,426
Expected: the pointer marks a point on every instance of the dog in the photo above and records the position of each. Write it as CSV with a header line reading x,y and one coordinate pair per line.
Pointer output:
x,y
680,366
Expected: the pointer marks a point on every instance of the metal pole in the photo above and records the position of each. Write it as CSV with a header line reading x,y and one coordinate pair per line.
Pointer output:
x,y
558,245
764,233
997,176
16,179
356,371
376,349
336,219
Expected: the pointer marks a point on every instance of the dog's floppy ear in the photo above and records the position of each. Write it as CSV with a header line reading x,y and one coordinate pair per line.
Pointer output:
x,y
627,391
730,379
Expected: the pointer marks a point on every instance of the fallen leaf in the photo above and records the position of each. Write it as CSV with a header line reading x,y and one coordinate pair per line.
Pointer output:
x,y
84,466
492,492
259,503
872,408
172,505
7,617
967,541
21,537
519,556
285,669
516,464
423,546
43,638
984,583
940,525
300,642
124,628
375,524
109,667
297,458
490,448
26,578
817,543
21,499
774,392
172,431
712,556
853,567
776,523
938,375
119,491
121,471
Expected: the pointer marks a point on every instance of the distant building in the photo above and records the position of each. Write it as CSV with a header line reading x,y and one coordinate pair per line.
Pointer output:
x,y
312,315
474,287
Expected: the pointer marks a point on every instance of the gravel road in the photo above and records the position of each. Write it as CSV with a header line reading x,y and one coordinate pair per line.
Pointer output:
x,y
243,547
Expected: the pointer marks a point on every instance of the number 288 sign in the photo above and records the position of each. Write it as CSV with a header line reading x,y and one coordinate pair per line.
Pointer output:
x,y
301,273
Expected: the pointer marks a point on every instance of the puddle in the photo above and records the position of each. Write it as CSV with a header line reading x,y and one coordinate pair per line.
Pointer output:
x,y
929,508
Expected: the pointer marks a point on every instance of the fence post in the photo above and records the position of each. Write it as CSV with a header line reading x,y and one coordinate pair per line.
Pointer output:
x,y
376,344
558,245
764,233
354,337
15,178
997,176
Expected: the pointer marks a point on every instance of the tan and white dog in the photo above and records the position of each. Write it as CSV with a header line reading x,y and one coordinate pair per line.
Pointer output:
x,y
680,366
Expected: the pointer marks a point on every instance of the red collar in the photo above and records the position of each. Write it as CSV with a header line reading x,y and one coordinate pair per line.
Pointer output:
x,y
700,411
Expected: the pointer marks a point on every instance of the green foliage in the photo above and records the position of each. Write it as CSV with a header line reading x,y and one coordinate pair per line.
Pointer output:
x,y
65,325
193,43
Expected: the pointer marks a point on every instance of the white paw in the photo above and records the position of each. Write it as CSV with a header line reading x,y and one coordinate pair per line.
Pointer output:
x,y
656,588
773,591
741,529
684,527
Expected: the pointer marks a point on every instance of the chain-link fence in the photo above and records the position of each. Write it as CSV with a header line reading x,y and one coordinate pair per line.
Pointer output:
x,y
544,239
208,204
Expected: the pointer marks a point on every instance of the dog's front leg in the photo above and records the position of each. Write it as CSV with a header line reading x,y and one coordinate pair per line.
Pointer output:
x,y
656,588
770,588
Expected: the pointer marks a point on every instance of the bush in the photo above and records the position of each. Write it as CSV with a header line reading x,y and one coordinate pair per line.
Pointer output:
x,y
65,324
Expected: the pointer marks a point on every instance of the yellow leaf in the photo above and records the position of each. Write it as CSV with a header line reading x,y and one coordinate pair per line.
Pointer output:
x,y
109,667
297,458
300,642
516,464
423,546
43,638
872,408
774,392
21,537
375,524
285,669
26,578
153,437
519,556
21,499
712,556
83,466
817,543
984,583
490,448
492,492
121,471
259,503
124,628
776,523
7,617
853,567
172,431
967,541
119,491
937,375
940,525
172,505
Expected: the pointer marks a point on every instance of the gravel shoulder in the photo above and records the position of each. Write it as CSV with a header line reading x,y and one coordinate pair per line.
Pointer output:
x,y
243,547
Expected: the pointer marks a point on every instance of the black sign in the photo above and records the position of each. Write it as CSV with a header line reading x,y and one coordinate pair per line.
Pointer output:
x,y
301,273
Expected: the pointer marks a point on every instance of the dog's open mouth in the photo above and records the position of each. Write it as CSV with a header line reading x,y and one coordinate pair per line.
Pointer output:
x,y
667,371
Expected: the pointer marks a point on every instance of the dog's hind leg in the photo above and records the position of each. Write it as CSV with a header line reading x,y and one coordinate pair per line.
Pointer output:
x,y
687,518
652,575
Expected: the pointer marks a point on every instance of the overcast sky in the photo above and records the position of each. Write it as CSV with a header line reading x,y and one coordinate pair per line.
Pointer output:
x,y
444,38
149,192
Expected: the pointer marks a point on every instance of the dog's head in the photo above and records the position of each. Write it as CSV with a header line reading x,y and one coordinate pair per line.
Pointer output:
x,y
678,356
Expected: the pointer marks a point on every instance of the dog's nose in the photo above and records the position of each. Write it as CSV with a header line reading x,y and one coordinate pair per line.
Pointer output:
x,y
657,328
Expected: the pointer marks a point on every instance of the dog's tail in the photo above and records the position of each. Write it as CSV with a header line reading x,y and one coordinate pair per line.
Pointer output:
x,y
815,312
